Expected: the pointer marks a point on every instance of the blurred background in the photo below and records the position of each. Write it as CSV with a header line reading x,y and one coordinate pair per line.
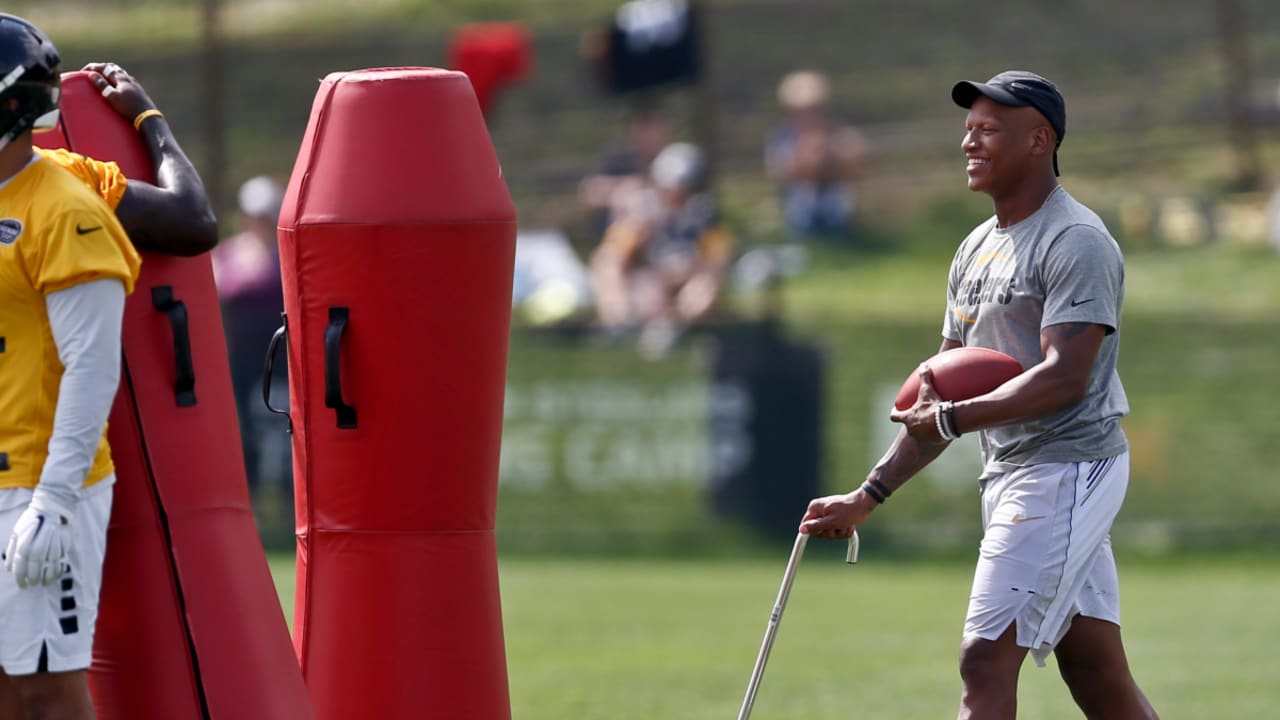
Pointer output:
x,y
702,412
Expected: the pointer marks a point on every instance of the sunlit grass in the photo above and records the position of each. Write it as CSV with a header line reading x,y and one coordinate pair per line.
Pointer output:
x,y
636,640
1220,281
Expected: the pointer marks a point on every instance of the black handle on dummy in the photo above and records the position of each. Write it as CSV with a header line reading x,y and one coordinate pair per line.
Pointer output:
x,y
268,369
184,386
338,318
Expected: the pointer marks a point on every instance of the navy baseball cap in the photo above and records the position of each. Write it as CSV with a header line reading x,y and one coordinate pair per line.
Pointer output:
x,y
1019,88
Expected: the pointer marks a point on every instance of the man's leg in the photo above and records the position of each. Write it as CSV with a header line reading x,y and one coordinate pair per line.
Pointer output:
x,y
989,669
55,696
1092,661
10,703
1019,518
47,639
13,501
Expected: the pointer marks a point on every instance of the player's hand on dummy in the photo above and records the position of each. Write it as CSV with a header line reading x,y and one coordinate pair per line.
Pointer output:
x,y
39,548
121,90
837,516
919,418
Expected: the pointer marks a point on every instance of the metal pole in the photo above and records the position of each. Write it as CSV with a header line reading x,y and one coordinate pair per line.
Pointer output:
x,y
771,631
214,171
1233,42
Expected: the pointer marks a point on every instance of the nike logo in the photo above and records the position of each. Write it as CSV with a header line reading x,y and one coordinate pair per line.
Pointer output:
x,y
1019,519
86,231
1081,302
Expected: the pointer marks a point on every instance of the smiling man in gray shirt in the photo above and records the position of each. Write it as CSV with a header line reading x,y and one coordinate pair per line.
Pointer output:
x,y
1042,281
1058,266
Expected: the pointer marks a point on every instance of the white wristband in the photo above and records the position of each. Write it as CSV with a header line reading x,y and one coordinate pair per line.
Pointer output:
x,y
943,430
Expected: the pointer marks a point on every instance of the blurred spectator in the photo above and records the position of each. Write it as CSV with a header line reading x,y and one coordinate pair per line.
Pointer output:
x,y
814,159
246,268
662,265
494,56
550,284
623,173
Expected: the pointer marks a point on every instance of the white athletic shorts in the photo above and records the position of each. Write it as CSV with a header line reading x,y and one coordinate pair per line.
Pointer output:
x,y
1046,551
49,628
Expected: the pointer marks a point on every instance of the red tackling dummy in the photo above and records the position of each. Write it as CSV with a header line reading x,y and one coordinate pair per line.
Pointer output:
x,y
397,241
190,627
961,373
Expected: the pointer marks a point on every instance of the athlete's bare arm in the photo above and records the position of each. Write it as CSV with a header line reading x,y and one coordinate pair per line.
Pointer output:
x,y
836,516
172,216
1057,382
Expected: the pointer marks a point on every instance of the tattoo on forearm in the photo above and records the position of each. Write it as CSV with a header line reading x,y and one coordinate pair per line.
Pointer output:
x,y
905,458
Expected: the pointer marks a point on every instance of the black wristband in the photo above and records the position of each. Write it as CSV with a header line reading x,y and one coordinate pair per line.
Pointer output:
x,y
884,490
875,494
951,418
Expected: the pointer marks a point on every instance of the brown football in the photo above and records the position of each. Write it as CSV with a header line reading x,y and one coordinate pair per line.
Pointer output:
x,y
961,373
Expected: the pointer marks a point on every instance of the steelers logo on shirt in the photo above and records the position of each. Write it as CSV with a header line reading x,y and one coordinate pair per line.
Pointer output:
x,y
990,280
10,229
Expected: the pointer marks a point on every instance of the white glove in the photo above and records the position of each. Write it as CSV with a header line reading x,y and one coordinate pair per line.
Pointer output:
x,y
38,551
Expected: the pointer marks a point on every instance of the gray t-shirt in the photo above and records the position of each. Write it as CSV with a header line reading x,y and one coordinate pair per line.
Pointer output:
x,y
1059,265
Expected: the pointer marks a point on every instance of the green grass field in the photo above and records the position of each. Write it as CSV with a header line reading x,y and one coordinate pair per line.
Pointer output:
x,y
1210,281
637,639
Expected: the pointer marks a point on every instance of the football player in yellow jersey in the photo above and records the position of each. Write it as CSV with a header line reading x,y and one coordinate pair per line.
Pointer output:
x,y
66,266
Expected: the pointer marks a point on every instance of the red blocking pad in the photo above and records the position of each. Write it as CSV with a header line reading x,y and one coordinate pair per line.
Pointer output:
x,y
397,242
190,625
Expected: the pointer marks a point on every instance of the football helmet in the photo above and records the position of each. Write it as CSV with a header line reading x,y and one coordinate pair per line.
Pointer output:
x,y
30,84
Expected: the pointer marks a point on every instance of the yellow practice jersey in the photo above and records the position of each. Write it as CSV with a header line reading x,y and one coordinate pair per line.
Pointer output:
x,y
103,178
55,232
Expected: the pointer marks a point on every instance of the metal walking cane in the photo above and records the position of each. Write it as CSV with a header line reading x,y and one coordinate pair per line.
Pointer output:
x,y
771,631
